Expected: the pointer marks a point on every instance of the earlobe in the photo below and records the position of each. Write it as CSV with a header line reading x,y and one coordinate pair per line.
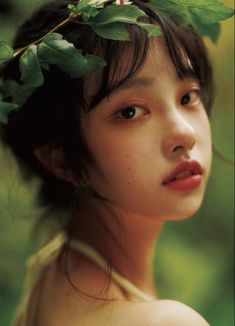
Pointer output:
x,y
52,159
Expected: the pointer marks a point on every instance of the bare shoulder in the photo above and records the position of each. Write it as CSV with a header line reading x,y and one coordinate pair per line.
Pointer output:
x,y
156,313
165,313
126,313
58,304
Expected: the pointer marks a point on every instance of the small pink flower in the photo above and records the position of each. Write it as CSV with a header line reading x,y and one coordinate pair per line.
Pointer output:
x,y
123,2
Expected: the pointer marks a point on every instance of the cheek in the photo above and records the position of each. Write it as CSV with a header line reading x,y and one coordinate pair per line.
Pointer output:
x,y
205,139
203,147
126,159
129,165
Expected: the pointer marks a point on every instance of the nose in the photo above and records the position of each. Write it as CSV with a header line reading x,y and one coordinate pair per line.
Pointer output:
x,y
179,139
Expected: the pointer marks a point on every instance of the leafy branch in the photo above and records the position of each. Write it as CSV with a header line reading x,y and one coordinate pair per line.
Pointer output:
x,y
203,15
110,22
56,28
51,49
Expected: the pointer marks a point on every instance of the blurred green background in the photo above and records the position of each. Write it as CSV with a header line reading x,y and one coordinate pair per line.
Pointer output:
x,y
195,258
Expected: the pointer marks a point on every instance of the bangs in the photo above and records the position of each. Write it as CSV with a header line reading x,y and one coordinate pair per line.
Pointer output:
x,y
124,60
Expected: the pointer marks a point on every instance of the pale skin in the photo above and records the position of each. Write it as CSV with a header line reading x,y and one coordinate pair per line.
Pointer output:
x,y
168,125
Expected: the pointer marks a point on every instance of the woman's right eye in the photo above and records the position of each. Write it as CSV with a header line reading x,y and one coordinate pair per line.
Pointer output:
x,y
131,112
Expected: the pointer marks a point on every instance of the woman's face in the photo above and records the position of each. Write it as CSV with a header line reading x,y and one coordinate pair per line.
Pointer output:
x,y
148,132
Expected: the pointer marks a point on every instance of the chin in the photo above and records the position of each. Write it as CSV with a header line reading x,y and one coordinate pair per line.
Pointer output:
x,y
179,217
183,213
184,208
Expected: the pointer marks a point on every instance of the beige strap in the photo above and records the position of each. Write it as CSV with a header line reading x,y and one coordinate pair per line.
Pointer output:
x,y
37,262
101,262
35,266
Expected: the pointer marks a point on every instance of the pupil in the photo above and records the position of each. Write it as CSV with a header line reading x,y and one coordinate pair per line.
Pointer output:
x,y
128,113
185,99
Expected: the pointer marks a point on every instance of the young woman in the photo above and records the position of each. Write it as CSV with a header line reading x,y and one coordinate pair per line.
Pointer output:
x,y
122,150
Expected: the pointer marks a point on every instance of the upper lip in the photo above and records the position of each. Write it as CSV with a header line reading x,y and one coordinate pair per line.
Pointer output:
x,y
193,166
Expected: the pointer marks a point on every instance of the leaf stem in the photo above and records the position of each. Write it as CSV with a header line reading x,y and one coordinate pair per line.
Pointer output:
x,y
62,24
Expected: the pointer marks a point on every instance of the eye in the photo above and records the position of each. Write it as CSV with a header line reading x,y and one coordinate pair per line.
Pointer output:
x,y
192,98
131,112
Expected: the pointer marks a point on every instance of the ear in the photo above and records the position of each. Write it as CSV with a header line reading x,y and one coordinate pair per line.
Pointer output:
x,y
52,159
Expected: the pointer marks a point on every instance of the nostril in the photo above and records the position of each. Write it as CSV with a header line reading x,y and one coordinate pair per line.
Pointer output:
x,y
177,149
178,142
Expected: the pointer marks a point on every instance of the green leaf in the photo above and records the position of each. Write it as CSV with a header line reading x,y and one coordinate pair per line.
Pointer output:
x,y
5,109
9,87
210,30
22,94
86,8
92,64
114,31
119,32
113,14
200,14
44,65
6,52
207,11
73,8
89,13
57,51
84,4
19,94
180,13
111,22
30,69
153,30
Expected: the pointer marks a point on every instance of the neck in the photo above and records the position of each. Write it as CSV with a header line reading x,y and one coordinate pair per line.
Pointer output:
x,y
131,241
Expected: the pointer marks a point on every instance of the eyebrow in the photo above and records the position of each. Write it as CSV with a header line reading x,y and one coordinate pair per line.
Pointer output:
x,y
139,82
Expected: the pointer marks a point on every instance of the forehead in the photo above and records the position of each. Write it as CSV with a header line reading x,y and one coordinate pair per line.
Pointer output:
x,y
157,62
120,66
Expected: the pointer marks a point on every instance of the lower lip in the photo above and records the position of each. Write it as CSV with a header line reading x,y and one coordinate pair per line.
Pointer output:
x,y
185,184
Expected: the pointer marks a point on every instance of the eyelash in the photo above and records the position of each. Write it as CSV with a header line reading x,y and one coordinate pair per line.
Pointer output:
x,y
194,102
117,115
142,112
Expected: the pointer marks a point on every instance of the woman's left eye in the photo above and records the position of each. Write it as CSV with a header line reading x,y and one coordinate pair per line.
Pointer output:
x,y
131,112
192,98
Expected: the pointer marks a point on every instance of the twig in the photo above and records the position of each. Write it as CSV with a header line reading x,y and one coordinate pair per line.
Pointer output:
x,y
62,24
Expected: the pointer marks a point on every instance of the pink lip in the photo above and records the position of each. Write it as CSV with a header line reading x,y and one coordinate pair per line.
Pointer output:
x,y
188,182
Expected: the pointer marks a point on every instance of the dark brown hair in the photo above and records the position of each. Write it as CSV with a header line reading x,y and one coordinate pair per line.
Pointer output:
x,y
52,114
